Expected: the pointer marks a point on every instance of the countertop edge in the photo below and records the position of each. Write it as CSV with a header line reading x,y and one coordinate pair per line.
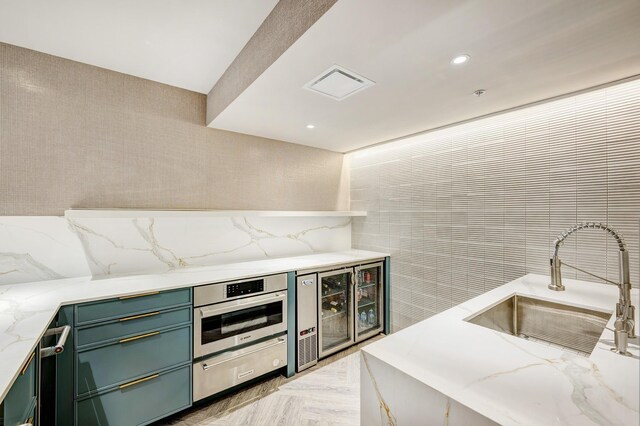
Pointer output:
x,y
484,300
243,270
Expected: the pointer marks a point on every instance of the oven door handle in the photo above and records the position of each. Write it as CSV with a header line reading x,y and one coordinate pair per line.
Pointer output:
x,y
209,312
280,341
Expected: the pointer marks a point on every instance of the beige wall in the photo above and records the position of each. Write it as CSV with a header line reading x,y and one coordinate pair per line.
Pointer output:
x,y
74,135
465,209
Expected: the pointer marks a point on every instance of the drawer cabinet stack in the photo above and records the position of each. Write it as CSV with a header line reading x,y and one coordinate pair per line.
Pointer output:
x,y
19,405
132,358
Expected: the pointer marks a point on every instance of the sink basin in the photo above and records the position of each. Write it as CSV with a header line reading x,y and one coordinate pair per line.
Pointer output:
x,y
555,324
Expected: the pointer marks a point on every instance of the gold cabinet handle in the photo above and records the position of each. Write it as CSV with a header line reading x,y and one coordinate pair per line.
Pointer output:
x,y
150,314
142,336
135,382
133,296
26,366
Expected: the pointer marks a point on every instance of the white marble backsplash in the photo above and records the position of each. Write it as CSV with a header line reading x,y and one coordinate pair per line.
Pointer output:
x,y
36,248
42,248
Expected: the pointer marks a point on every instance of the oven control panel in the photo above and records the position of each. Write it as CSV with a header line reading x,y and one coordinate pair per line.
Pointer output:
x,y
244,288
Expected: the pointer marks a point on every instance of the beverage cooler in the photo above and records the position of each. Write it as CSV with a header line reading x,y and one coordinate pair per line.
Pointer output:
x,y
350,309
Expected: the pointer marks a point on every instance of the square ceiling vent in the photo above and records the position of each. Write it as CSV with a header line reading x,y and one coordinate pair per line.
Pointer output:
x,y
338,83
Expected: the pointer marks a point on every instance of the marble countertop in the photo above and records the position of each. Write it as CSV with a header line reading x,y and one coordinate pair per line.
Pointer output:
x,y
513,381
26,309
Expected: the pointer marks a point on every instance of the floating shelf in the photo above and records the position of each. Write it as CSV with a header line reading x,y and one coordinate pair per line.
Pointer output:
x,y
132,213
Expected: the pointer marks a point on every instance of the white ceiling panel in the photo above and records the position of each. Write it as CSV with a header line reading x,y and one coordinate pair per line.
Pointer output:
x,y
521,52
184,43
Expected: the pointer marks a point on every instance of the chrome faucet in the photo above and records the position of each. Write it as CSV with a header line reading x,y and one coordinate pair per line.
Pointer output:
x,y
624,326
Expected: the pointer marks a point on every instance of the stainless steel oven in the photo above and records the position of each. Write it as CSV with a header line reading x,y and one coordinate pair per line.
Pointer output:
x,y
227,315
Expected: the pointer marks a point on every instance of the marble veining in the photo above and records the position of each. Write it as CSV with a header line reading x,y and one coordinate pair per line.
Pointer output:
x,y
26,309
115,246
45,248
39,248
485,376
386,416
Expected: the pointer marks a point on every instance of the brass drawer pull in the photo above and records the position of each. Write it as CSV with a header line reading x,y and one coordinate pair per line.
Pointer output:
x,y
150,314
139,295
142,336
135,382
26,366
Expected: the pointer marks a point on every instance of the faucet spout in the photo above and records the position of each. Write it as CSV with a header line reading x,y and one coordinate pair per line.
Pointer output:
x,y
624,327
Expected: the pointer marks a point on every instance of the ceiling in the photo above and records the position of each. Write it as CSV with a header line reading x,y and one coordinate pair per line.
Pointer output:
x,y
183,43
520,51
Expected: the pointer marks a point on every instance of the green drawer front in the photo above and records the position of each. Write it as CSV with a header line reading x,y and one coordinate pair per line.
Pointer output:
x,y
140,403
20,398
31,415
122,362
132,325
130,305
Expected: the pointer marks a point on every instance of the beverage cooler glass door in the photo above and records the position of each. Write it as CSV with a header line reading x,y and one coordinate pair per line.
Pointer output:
x,y
335,310
369,312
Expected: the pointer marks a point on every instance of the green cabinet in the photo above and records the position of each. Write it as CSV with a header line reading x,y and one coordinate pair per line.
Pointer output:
x,y
132,358
139,402
19,405
131,326
126,306
127,361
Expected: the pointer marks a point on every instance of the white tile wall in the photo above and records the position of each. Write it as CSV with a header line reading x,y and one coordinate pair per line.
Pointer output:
x,y
465,209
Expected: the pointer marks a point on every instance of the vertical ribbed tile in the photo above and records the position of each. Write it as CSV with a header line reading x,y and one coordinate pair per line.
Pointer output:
x,y
466,209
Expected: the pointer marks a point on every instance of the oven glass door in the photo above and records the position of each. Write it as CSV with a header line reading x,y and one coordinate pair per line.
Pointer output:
x,y
242,320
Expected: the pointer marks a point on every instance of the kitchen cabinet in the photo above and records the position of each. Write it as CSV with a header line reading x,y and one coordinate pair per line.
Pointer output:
x,y
129,360
141,401
132,358
19,405
126,307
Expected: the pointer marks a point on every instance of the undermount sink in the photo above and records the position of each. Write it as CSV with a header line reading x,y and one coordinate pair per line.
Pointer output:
x,y
555,324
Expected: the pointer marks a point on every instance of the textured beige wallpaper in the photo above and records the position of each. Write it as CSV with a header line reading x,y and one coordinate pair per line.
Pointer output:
x,y
74,135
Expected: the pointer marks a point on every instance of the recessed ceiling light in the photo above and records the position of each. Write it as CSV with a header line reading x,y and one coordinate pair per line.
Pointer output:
x,y
460,59
310,126
479,92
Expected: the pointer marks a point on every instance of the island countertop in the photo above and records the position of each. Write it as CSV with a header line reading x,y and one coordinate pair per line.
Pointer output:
x,y
26,309
513,381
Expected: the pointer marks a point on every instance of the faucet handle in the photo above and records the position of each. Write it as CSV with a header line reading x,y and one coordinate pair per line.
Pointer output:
x,y
621,330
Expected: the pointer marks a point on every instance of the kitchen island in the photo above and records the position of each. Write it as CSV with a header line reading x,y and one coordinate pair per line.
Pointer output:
x,y
447,370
